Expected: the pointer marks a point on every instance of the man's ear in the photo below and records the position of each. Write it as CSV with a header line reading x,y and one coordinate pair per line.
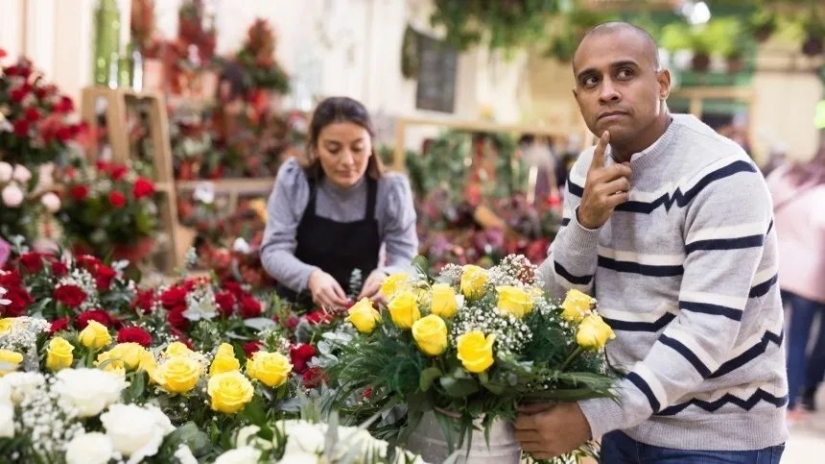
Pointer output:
x,y
664,79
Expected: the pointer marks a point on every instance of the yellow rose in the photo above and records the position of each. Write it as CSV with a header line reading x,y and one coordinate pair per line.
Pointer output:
x,y
9,361
395,283
6,324
95,336
473,280
177,349
272,369
179,374
576,306
594,333
515,301
363,316
225,360
59,354
430,334
404,309
123,356
444,301
230,392
475,351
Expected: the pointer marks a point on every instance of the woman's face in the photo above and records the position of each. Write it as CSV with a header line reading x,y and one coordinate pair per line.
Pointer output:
x,y
344,150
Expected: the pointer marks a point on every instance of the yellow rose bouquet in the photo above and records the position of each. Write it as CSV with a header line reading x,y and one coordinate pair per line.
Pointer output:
x,y
468,346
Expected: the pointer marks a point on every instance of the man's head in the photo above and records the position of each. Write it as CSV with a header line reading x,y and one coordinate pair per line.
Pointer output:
x,y
620,87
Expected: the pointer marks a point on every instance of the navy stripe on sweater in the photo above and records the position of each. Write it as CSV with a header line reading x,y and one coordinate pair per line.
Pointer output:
x,y
640,383
686,353
738,243
573,279
575,189
682,199
712,309
752,353
642,269
712,406
758,291
628,326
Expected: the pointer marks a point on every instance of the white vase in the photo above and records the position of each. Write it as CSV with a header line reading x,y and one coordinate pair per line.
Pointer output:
x,y
428,441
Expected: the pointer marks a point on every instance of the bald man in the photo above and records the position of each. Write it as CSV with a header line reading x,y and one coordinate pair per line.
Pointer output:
x,y
670,226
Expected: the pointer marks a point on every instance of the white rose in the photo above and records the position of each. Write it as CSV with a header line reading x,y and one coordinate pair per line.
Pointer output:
x,y
135,432
299,458
12,196
6,420
184,455
353,436
5,171
303,437
248,436
241,246
89,448
23,384
89,391
51,202
244,455
21,174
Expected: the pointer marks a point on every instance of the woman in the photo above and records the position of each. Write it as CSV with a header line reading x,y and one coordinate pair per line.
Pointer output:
x,y
331,212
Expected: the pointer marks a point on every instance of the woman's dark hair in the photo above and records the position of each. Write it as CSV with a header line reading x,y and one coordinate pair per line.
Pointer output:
x,y
330,111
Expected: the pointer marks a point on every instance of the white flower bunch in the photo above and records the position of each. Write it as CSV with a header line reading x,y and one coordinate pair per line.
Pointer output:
x,y
20,333
512,333
200,303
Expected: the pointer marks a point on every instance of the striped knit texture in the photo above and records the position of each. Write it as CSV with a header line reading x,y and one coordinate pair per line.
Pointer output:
x,y
685,272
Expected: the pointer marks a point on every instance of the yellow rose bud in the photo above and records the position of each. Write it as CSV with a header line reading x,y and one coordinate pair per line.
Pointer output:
x,y
594,333
475,351
225,360
472,281
95,336
177,349
515,301
444,302
122,356
179,374
230,392
271,369
364,316
576,306
9,361
430,334
404,309
395,283
59,354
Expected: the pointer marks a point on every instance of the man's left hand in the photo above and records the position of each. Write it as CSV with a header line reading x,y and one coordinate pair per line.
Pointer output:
x,y
552,430
372,286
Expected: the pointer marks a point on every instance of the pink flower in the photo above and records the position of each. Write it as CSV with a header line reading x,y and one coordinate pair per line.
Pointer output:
x,y
12,196
51,202
21,174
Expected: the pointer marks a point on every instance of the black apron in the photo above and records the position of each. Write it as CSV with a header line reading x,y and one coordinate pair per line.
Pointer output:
x,y
337,248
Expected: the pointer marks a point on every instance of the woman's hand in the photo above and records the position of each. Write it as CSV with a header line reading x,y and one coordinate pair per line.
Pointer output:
x,y
325,290
372,287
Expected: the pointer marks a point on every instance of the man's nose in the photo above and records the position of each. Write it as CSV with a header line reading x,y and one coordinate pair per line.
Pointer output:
x,y
608,92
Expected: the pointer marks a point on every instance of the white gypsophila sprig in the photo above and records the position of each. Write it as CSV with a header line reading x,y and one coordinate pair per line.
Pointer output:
x,y
512,334
451,273
22,333
50,426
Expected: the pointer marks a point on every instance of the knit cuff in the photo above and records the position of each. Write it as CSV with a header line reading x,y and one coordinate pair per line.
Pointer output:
x,y
579,238
603,414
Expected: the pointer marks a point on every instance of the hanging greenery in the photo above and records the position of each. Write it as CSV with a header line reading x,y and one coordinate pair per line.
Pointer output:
x,y
410,60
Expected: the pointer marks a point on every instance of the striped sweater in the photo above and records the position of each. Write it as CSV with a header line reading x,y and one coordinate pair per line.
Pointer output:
x,y
685,272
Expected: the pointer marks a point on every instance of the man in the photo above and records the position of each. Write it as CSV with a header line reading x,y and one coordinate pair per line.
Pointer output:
x,y
670,226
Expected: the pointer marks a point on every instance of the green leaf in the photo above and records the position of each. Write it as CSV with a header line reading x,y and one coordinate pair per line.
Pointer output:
x,y
428,376
254,413
494,388
457,387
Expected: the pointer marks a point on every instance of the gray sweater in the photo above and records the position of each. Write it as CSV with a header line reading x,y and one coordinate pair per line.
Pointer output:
x,y
685,272
394,211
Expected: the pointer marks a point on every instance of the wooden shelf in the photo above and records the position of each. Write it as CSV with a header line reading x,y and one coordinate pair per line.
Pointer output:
x,y
241,186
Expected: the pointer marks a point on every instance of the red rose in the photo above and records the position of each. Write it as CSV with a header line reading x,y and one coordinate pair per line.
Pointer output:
x,y
70,295
142,188
367,393
250,307
80,192
292,322
32,115
59,325
97,315
59,269
300,356
318,317
65,105
88,262
144,300
32,262
117,199
252,347
226,303
18,94
134,335
118,171
314,377
174,298
19,298
177,320
103,277
233,287
21,128
10,280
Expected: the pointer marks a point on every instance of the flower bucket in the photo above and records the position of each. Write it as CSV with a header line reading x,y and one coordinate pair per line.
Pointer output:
x,y
428,441
134,253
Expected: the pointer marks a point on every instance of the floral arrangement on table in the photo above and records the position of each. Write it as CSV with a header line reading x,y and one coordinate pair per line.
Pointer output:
x,y
469,346
25,206
108,208
37,124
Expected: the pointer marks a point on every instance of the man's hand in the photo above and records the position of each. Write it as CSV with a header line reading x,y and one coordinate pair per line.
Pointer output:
x,y
547,431
372,287
325,291
605,188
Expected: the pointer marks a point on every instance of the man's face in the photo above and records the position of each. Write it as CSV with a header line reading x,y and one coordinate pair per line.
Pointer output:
x,y
618,87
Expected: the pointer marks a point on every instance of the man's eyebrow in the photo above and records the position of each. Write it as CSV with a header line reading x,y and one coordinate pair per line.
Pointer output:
x,y
614,65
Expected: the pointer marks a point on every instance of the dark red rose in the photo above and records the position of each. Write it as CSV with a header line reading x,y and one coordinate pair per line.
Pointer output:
x,y
118,171
103,277
319,317
292,322
250,307
314,377
144,299
70,295
117,199
19,298
80,192
10,280
234,287
174,298
143,188
252,347
98,315
88,262
177,319
32,262
59,269
134,335
32,115
65,105
59,325
226,303
300,355
20,128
